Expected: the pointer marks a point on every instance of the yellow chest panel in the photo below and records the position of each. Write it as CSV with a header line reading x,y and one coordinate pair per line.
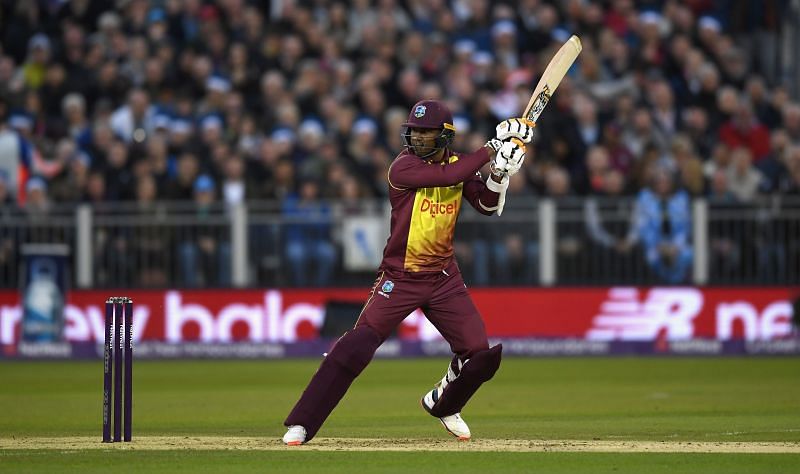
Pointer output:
x,y
432,226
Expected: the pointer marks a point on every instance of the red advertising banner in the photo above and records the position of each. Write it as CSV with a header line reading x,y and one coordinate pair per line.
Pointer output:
x,y
599,314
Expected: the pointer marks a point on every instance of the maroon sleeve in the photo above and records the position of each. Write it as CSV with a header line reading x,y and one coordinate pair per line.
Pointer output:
x,y
482,198
409,171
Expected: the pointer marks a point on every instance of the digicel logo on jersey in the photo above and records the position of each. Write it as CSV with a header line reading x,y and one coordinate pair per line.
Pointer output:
x,y
435,208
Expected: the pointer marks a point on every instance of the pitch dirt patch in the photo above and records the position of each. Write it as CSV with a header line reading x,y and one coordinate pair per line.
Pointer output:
x,y
402,444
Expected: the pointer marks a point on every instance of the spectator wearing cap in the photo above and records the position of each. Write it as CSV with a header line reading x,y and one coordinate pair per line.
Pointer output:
x,y
308,236
211,134
37,210
156,25
363,137
217,88
284,139
504,43
181,132
205,255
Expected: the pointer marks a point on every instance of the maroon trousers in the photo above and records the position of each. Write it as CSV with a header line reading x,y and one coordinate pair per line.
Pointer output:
x,y
443,298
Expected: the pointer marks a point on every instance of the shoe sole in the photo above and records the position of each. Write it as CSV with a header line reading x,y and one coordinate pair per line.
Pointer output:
x,y
424,407
294,443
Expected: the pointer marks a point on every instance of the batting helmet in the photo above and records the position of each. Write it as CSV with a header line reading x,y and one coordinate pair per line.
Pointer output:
x,y
430,114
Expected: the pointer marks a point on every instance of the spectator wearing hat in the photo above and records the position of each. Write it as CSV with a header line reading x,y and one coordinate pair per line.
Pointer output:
x,y
307,236
205,255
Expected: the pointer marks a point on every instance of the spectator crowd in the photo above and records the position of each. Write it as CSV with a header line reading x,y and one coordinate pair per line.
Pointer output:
x,y
241,100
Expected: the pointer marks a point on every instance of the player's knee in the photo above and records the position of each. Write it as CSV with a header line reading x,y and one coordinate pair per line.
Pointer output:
x,y
474,347
483,364
355,349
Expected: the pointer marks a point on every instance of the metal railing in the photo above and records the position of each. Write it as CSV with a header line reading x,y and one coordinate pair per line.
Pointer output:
x,y
536,242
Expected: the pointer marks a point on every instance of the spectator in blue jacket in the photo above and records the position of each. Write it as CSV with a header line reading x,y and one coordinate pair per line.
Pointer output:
x,y
665,223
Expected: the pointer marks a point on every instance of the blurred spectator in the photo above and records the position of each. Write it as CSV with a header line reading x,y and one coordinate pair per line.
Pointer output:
x,y
743,179
690,168
666,116
234,186
514,246
71,185
151,243
664,227
308,236
35,66
611,225
744,130
205,256
182,187
134,121
725,236
38,211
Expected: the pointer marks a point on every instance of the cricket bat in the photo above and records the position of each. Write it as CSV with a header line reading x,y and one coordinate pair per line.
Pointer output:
x,y
551,78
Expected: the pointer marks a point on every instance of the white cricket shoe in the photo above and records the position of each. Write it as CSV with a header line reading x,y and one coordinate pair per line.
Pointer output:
x,y
454,424
295,436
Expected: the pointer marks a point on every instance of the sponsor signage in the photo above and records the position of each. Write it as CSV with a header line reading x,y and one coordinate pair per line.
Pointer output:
x,y
669,315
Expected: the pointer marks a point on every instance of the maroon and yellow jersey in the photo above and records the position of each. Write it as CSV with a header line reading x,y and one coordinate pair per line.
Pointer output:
x,y
426,199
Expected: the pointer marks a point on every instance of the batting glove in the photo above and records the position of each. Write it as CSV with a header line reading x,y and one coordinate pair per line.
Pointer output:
x,y
509,158
517,128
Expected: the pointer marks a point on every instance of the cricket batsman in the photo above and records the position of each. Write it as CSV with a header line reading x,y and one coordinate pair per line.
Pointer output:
x,y
427,182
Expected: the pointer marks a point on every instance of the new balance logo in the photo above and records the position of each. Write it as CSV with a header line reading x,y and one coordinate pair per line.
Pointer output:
x,y
624,317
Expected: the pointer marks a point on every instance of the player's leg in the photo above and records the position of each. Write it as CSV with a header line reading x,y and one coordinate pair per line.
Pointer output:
x,y
349,356
456,317
388,304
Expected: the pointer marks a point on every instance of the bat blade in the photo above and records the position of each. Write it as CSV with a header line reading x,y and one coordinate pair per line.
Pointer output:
x,y
552,76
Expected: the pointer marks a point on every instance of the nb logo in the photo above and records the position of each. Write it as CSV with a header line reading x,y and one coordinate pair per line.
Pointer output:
x,y
624,317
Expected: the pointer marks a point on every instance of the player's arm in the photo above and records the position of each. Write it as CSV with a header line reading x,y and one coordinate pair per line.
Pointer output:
x,y
411,172
484,197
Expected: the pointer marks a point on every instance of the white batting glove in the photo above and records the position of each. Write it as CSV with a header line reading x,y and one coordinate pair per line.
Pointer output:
x,y
517,128
494,144
509,158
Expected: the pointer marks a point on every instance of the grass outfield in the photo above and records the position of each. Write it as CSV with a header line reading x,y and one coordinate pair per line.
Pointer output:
x,y
672,403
